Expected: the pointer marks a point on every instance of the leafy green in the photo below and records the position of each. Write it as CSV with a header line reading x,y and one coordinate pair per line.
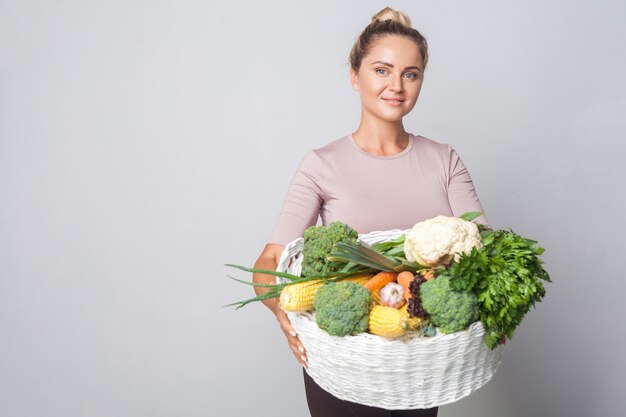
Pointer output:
x,y
390,244
471,215
429,330
361,253
506,275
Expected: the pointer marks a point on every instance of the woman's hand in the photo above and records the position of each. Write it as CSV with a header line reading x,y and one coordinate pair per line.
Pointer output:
x,y
269,260
292,338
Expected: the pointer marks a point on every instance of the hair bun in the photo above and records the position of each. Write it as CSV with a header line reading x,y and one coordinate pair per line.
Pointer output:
x,y
390,14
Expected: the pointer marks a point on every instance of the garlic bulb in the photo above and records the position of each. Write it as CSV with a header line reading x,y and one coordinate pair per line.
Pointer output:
x,y
392,295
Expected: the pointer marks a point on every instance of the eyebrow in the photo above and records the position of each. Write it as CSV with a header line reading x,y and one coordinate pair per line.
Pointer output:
x,y
391,65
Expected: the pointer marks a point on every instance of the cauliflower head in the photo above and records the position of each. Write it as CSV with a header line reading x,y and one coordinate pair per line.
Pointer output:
x,y
448,309
438,240
342,308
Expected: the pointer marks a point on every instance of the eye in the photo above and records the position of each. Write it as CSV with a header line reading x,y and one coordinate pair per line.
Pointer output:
x,y
411,75
381,71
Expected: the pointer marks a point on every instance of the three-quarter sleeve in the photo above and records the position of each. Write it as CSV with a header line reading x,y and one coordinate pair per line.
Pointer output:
x,y
302,203
462,194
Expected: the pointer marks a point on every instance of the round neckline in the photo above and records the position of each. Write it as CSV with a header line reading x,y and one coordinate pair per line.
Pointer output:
x,y
398,155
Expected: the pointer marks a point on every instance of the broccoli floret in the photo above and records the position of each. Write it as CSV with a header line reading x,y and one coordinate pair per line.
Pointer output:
x,y
448,309
342,308
318,242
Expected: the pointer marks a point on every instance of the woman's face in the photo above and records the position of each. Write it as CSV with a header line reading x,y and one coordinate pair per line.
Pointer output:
x,y
390,78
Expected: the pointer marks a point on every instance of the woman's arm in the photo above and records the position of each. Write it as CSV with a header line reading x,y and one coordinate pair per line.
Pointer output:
x,y
269,259
300,210
302,203
461,191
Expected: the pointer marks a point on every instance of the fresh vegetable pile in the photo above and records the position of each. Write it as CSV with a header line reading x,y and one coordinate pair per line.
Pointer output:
x,y
441,276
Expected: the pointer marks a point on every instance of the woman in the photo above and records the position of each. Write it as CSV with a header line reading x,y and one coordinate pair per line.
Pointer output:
x,y
378,178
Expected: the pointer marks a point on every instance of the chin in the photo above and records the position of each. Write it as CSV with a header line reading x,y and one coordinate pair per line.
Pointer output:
x,y
386,114
394,117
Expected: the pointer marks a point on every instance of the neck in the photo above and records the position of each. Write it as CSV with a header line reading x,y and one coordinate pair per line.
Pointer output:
x,y
381,137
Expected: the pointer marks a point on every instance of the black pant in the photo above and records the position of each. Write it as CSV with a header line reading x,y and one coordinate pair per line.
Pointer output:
x,y
323,404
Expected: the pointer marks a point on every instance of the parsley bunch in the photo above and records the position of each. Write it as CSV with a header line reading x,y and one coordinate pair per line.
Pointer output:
x,y
506,275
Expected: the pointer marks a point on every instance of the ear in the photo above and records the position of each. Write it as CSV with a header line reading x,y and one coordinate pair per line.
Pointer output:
x,y
354,79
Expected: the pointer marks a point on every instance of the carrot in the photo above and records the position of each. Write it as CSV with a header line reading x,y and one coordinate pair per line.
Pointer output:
x,y
405,278
428,275
380,280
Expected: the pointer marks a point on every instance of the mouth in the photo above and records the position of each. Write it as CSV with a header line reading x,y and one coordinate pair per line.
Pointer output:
x,y
394,101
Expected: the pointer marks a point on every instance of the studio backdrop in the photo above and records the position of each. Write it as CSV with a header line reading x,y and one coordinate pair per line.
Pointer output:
x,y
145,144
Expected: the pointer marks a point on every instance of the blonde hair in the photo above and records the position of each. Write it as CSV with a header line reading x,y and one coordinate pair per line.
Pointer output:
x,y
386,22
390,14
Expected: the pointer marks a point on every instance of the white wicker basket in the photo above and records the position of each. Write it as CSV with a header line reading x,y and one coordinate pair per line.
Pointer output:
x,y
415,372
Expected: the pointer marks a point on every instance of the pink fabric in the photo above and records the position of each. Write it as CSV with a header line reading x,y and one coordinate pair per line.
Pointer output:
x,y
342,182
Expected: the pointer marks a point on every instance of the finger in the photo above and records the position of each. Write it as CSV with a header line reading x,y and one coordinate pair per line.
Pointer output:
x,y
296,344
299,355
288,329
292,338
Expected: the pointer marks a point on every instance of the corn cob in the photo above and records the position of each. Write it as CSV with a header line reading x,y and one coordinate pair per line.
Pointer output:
x,y
300,296
359,279
388,321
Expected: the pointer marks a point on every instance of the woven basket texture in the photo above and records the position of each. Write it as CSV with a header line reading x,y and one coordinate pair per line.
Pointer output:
x,y
414,372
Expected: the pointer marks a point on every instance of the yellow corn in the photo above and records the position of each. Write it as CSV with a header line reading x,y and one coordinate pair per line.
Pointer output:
x,y
300,296
376,297
359,279
388,321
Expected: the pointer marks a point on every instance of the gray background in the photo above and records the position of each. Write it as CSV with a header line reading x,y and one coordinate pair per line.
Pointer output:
x,y
144,144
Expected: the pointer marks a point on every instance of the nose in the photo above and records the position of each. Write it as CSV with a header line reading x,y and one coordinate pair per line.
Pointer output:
x,y
395,83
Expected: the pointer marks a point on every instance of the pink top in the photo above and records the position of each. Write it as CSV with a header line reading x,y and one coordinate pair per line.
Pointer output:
x,y
342,182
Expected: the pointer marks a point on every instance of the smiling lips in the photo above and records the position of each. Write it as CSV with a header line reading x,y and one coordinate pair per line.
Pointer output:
x,y
394,101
